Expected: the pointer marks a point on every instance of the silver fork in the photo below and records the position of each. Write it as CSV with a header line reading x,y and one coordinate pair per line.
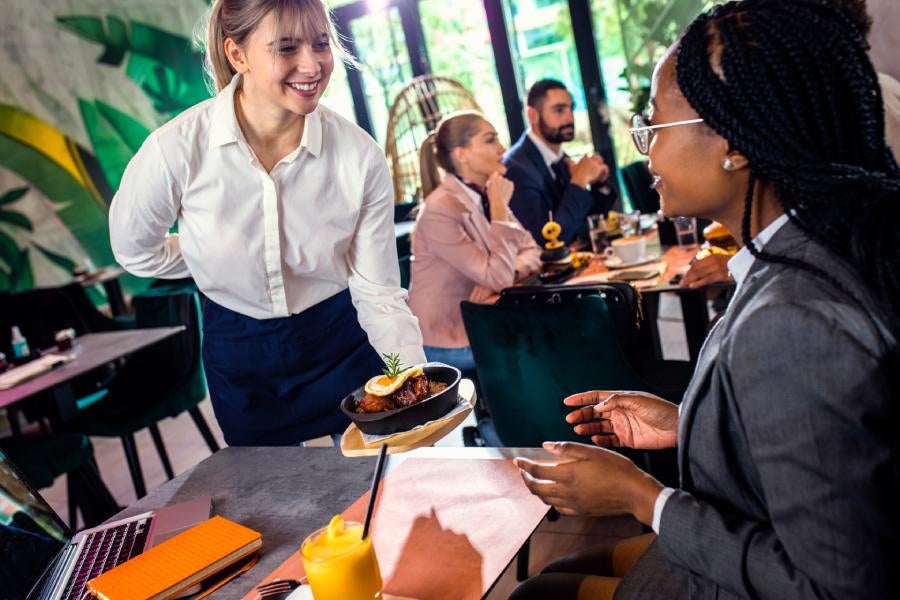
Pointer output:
x,y
277,587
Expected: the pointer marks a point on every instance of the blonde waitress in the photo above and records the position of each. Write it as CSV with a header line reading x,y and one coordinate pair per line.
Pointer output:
x,y
285,220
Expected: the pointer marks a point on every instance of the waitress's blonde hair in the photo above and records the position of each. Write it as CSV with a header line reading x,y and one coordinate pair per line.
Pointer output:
x,y
237,19
455,130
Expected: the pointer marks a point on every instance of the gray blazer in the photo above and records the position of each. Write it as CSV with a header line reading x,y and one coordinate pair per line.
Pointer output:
x,y
788,442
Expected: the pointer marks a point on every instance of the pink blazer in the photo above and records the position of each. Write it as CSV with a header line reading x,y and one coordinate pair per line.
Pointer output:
x,y
460,255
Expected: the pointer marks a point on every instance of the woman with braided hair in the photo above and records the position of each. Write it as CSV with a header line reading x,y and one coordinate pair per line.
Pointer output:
x,y
766,117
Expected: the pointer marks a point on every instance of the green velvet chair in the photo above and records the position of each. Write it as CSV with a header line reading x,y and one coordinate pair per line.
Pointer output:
x,y
159,382
43,458
530,357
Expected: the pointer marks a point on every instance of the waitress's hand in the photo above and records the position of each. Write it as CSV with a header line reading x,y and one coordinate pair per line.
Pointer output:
x,y
625,419
590,481
499,190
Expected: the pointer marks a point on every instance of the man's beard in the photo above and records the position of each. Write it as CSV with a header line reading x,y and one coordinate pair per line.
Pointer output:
x,y
566,133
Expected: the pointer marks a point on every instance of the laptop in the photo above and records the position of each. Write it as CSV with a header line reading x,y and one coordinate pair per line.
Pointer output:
x,y
41,559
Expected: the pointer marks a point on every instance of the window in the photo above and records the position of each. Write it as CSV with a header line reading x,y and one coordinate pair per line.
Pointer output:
x,y
543,46
459,47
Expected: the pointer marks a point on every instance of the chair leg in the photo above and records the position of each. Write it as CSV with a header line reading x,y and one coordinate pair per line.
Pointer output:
x,y
200,422
14,426
72,499
92,497
161,450
134,465
522,561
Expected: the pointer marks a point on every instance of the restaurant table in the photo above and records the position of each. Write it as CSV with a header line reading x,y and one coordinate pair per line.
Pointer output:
x,y
108,277
693,300
287,493
90,351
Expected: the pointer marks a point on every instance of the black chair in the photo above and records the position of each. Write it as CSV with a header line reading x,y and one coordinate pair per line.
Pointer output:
x,y
638,180
161,381
41,312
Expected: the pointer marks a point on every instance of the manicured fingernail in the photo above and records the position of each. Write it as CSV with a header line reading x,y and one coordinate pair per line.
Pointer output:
x,y
549,445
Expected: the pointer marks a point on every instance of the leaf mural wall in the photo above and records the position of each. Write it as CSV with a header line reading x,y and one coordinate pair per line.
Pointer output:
x,y
79,93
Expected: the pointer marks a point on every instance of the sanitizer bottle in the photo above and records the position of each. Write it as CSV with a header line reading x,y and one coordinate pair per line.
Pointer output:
x,y
20,348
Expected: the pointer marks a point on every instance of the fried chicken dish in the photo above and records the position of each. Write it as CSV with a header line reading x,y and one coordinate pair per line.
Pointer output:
x,y
414,389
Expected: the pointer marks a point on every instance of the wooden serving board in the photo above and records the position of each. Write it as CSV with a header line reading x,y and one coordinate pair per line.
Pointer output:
x,y
352,443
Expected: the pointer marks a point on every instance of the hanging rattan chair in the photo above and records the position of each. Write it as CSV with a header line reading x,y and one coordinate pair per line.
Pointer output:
x,y
416,111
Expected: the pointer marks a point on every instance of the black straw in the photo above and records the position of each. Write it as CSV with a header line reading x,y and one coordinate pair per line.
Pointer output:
x,y
376,479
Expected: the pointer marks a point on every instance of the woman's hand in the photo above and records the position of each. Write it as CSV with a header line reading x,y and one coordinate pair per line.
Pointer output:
x,y
499,190
625,419
592,482
711,269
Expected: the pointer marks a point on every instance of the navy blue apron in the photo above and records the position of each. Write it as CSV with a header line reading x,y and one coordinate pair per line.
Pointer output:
x,y
277,382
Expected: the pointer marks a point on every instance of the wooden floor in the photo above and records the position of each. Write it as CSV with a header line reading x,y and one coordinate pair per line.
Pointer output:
x,y
186,448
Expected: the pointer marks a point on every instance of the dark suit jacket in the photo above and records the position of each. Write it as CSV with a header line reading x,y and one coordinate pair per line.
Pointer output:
x,y
537,193
788,441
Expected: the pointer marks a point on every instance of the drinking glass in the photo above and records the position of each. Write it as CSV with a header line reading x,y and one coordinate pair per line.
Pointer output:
x,y
685,230
631,223
597,230
340,564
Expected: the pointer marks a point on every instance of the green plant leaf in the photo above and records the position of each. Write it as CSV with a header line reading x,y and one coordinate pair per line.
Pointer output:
x,y
80,212
114,135
116,42
113,36
170,92
63,262
9,251
129,129
22,277
16,220
13,195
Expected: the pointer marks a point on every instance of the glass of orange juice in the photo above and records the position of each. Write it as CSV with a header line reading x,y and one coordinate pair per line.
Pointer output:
x,y
339,564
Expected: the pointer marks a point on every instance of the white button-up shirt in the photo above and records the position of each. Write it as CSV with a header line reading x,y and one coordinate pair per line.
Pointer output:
x,y
267,244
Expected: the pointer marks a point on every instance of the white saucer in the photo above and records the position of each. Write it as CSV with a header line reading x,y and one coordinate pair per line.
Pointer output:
x,y
614,262
304,592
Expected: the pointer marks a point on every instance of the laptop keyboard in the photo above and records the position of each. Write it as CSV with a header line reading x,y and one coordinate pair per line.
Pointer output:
x,y
103,550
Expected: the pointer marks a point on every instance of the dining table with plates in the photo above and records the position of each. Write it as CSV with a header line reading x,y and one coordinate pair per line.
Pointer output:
x,y
656,272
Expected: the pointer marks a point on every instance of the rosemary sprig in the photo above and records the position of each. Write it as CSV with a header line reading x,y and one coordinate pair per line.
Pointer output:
x,y
393,365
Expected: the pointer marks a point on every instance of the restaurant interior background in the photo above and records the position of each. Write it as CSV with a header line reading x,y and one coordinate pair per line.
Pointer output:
x,y
83,82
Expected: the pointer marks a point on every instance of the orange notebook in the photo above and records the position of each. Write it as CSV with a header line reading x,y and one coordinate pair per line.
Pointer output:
x,y
179,563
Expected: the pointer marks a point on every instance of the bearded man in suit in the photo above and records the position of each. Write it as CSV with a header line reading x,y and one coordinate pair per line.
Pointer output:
x,y
545,178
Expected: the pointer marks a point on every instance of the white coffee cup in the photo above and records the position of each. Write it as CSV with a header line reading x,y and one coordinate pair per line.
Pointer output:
x,y
629,249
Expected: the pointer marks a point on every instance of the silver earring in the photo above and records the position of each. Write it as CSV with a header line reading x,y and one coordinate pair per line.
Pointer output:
x,y
727,164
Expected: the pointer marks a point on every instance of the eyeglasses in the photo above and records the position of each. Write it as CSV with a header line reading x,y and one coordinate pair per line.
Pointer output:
x,y
642,131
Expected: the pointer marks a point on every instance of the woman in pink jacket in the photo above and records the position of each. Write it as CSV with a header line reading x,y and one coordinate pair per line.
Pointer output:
x,y
467,243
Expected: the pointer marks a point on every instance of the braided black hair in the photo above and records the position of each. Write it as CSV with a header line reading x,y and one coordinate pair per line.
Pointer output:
x,y
795,92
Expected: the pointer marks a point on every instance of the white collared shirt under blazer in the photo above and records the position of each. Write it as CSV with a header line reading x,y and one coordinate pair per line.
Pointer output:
x,y
270,244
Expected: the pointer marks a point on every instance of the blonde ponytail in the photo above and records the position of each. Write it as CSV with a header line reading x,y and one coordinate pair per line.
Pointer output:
x,y
455,130
428,166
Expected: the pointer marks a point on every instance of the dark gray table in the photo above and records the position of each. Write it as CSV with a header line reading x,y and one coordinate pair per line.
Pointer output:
x,y
287,493
91,350
284,493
